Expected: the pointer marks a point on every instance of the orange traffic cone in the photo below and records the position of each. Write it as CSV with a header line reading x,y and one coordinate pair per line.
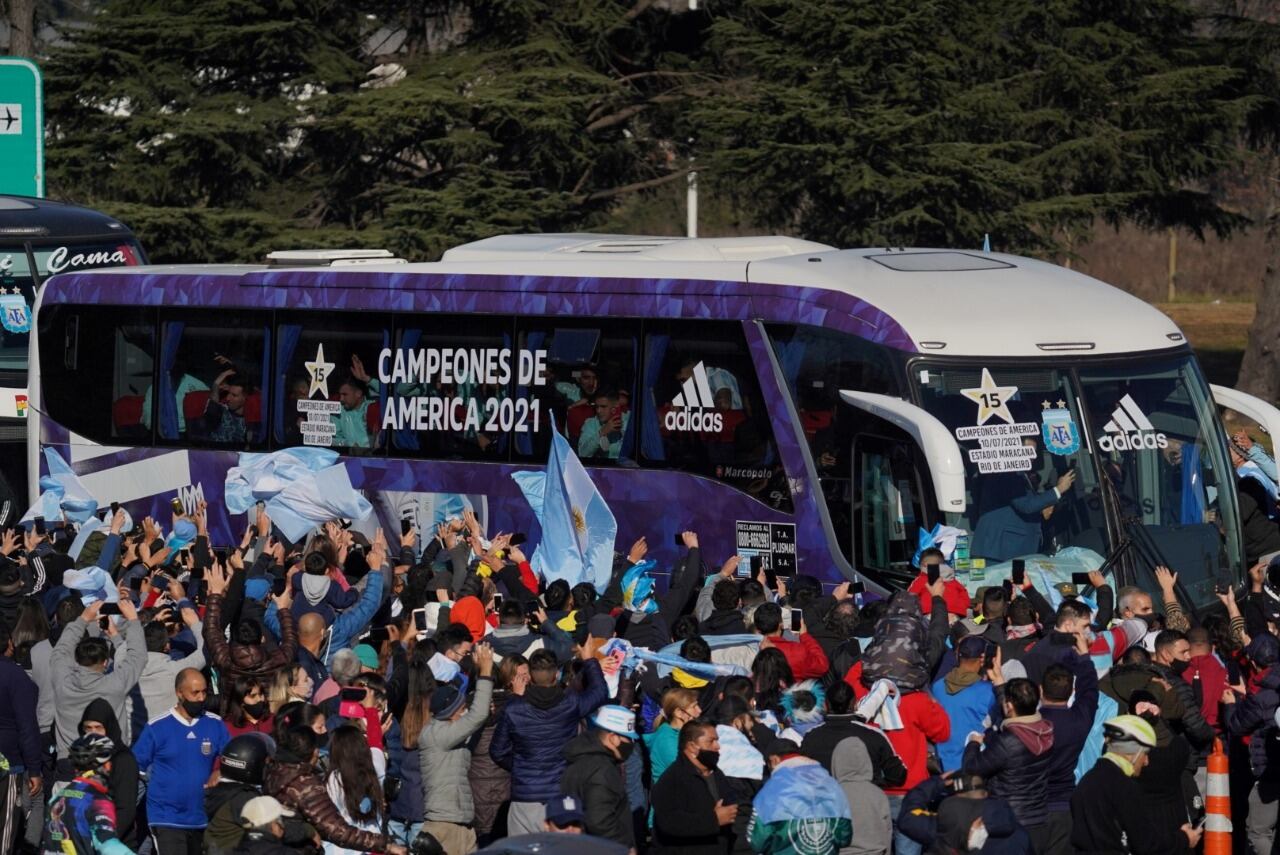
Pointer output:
x,y
1217,804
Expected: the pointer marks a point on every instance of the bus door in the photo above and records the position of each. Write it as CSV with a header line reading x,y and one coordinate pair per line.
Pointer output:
x,y
889,504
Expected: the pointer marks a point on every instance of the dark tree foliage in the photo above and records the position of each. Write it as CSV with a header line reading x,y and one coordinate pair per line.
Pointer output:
x,y
932,122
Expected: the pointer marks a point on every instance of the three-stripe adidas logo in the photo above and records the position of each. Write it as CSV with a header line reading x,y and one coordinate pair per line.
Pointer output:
x,y
694,408
1130,429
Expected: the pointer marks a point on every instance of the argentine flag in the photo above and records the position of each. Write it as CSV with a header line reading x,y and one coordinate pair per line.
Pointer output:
x,y
578,529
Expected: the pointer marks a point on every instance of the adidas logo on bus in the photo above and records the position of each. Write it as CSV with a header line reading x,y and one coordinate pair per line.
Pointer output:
x,y
1130,429
694,408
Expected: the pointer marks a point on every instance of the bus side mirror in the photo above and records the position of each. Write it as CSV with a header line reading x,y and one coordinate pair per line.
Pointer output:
x,y
941,451
1248,405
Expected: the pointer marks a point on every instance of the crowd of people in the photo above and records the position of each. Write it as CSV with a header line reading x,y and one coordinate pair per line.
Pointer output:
x,y
161,693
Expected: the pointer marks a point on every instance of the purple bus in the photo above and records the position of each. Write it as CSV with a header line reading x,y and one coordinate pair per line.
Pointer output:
x,y
807,408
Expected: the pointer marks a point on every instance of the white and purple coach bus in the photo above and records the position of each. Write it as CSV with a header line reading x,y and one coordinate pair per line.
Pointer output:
x,y
808,407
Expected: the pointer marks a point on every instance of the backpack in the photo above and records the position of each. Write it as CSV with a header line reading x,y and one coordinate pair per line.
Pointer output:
x,y
899,649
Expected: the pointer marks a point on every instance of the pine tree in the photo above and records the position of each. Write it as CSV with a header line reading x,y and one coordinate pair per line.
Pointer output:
x,y
538,118
191,117
932,122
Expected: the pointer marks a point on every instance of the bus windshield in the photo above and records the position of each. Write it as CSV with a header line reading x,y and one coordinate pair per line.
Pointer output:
x,y
1076,463
18,285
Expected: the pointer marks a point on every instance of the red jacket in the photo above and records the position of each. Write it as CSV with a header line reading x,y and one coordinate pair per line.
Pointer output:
x,y
806,658
1213,681
924,721
954,594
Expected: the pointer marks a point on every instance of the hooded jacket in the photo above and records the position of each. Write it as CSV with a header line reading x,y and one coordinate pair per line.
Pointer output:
x,y
158,675
299,786
75,685
533,730
248,660
122,783
595,776
1014,760
873,828
887,767
969,701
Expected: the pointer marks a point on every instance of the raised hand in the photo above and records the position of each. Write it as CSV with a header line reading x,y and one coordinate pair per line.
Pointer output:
x,y
638,551
216,578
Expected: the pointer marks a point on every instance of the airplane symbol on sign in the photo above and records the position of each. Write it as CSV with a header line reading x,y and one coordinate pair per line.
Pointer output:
x,y
10,118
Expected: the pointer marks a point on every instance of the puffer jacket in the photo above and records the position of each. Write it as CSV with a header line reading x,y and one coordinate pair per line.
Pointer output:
x,y
1015,761
533,729
407,807
249,660
595,776
300,787
1254,716
445,760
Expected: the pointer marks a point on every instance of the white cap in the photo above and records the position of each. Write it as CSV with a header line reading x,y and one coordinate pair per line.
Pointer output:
x,y
616,719
261,811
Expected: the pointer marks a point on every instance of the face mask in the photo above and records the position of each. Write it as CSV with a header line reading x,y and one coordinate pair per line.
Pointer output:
x,y
193,709
625,749
1178,666
257,710
709,759
977,838
322,740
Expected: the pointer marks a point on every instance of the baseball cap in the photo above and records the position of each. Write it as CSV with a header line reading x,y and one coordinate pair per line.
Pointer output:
x,y
610,717
445,701
563,810
367,655
972,647
261,811
601,626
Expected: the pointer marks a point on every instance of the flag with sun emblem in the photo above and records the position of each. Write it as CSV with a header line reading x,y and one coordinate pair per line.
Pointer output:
x,y
578,529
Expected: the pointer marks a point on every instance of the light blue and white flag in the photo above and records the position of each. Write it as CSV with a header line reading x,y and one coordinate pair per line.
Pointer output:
x,y
302,488
578,529
61,493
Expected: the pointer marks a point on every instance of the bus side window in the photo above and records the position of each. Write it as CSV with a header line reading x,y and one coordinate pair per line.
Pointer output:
x,y
451,387
213,367
703,411
102,398
326,391
585,379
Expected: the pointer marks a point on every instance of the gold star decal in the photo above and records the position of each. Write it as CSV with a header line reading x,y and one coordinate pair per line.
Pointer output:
x,y
992,400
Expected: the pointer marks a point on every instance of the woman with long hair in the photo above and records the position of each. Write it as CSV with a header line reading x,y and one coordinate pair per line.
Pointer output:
x,y
679,707
245,708
406,808
772,676
354,784
30,628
